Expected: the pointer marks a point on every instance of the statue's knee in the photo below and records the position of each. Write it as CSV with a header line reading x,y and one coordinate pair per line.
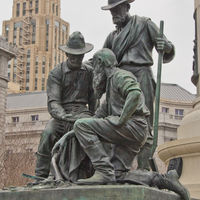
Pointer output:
x,y
47,132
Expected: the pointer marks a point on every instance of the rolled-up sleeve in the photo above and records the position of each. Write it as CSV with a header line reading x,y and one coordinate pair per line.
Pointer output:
x,y
126,83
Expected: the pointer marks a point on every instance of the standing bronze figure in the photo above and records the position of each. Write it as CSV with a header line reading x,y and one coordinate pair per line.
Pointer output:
x,y
133,42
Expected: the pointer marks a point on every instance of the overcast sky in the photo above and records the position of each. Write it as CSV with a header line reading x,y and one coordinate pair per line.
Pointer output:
x,y
87,17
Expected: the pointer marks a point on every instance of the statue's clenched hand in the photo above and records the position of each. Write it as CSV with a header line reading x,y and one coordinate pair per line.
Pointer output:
x,y
163,45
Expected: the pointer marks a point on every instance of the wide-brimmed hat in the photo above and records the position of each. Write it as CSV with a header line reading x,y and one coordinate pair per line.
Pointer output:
x,y
76,44
113,3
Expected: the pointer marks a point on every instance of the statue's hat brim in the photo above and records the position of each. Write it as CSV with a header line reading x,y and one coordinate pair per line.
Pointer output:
x,y
88,47
110,6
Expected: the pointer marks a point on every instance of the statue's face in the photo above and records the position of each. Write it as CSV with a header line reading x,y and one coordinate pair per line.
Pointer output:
x,y
99,80
119,14
75,61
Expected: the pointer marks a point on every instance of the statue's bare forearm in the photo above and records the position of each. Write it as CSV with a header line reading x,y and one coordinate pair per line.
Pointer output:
x,y
130,106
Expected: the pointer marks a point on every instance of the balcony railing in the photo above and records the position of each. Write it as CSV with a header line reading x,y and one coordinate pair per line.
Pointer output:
x,y
25,124
169,118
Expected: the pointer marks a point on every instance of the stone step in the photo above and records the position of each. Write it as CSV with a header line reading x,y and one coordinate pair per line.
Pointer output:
x,y
105,192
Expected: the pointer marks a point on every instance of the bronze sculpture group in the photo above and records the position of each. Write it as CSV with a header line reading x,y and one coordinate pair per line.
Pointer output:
x,y
86,143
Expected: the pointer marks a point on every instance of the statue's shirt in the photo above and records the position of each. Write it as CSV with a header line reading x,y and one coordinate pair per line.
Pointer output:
x,y
133,45
66,86
119,84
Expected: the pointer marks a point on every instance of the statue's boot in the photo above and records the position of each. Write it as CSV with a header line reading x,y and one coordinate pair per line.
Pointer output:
x,y
170,181
104,170
42,167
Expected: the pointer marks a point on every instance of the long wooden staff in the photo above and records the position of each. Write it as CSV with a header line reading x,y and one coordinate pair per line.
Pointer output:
x,y
157,100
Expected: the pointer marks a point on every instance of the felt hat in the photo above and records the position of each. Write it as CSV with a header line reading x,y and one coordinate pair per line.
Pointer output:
x,y
76,44
114,3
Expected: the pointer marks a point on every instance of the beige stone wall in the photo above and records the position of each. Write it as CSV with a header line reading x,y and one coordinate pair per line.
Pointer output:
x,y
6,53
25,134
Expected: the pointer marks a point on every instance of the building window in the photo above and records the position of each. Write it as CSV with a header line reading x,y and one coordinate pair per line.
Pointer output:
x,y
165,110
55,38
27,75
179,112
36,83
34,117
43,70
47,34
18,10
36,6
36,60
43,83
7,32
15,119
16,26
57,24
33,31
55,58
28,55
31,4
14,70
36,69
20,36
53,8
56,10
43,64
36,65
9,64
24,8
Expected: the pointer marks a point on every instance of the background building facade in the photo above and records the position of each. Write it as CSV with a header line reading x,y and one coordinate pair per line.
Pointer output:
x,y
175,103
7,52
37,29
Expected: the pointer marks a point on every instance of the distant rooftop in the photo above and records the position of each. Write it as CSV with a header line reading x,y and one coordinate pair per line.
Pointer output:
x,y
176,93
28,100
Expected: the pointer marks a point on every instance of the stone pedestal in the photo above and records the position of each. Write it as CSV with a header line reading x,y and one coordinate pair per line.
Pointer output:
x,y
188,147
107,192
6,53
188,144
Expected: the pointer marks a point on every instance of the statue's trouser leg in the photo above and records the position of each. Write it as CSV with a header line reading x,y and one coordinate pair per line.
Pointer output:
x,y
147,84
143,157
91,131
94,149
53,131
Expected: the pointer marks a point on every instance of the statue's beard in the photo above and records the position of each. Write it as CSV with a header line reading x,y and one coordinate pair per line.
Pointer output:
x,y
99,85
119,20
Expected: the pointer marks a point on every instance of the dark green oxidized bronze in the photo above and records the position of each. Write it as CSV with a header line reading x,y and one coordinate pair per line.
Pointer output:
x,y
69,90
195,76
133,42
120,120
